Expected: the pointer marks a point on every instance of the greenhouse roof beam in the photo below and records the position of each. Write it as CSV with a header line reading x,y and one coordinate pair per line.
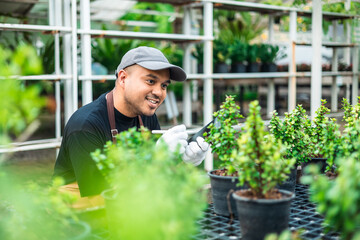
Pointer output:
x,y
144,35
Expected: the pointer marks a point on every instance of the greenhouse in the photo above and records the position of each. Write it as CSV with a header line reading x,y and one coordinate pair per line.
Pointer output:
x,y
193,119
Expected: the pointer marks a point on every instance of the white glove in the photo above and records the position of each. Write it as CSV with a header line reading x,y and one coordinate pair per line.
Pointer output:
x,y
174,137
195,152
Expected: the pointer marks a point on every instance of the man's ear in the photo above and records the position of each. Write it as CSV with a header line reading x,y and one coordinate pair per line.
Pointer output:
x,y
122,75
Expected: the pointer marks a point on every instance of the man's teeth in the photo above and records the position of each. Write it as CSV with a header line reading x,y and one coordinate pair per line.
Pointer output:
x,y
152,101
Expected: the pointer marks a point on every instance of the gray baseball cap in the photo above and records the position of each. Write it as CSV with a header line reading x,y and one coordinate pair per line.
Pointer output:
x,y
152,59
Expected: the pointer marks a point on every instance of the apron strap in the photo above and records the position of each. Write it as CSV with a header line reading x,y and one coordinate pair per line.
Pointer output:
x,y
111,115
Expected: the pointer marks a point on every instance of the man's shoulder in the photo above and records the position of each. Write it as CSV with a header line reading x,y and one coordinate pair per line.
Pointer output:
x,y
88,116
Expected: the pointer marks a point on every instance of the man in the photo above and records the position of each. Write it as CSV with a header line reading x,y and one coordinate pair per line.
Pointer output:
x,y
142,78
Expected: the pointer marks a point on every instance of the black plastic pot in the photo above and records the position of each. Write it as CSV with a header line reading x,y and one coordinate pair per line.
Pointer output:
x,y
221,68
253,67
238,68
259,217
200,68
268,67
221,188
289,184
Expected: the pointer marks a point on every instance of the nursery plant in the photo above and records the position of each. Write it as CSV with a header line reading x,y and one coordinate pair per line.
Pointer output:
x,y
268,53
260,157
222,136
221,54
28,210
338,200
261,163
253,58
154,195
20,105
293,131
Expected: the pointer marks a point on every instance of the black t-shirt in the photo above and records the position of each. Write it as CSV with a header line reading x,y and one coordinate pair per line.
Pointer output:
x,y
87,130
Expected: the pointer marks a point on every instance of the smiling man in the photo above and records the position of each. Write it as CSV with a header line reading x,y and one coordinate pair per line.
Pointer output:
x,y
142,78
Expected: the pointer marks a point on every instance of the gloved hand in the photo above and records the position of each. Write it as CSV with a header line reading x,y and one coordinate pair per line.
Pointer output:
x,y
175,136
195,151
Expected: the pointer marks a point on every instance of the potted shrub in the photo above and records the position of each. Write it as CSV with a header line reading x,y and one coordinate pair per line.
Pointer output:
x,y
253,58
261,163
338,200
222,137
155,195
221,54
316,132
293,131
238,55
268,54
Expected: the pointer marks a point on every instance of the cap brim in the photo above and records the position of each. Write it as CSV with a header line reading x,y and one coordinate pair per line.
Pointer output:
x,y
176,73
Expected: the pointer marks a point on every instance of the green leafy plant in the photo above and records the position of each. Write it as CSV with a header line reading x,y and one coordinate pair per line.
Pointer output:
x,y
238,51
337,200
351,112
20,105
243,26
155,191
331,143
222,136
260,157
253,53
221,51
28,210
293,131
32,212
316,131
268,53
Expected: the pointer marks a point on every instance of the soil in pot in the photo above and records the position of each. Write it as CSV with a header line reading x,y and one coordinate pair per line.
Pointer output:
x,y
259,217
222,187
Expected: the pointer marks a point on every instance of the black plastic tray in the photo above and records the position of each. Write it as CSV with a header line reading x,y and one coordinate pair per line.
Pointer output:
x,y
303,215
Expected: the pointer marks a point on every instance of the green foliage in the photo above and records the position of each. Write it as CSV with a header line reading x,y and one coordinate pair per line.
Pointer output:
x,y
20,105
173,53
269,53
351,112
32,212
130,142
164,23
338,200
253,53
238,51
332,140
260,157
221,51
243,26
222,136
156,191
293,132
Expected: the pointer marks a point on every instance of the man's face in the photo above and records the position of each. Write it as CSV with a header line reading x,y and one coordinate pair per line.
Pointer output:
x,y
144,90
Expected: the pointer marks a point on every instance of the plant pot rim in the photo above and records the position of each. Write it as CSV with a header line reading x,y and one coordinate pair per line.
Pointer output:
x,y
210,173
266,201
